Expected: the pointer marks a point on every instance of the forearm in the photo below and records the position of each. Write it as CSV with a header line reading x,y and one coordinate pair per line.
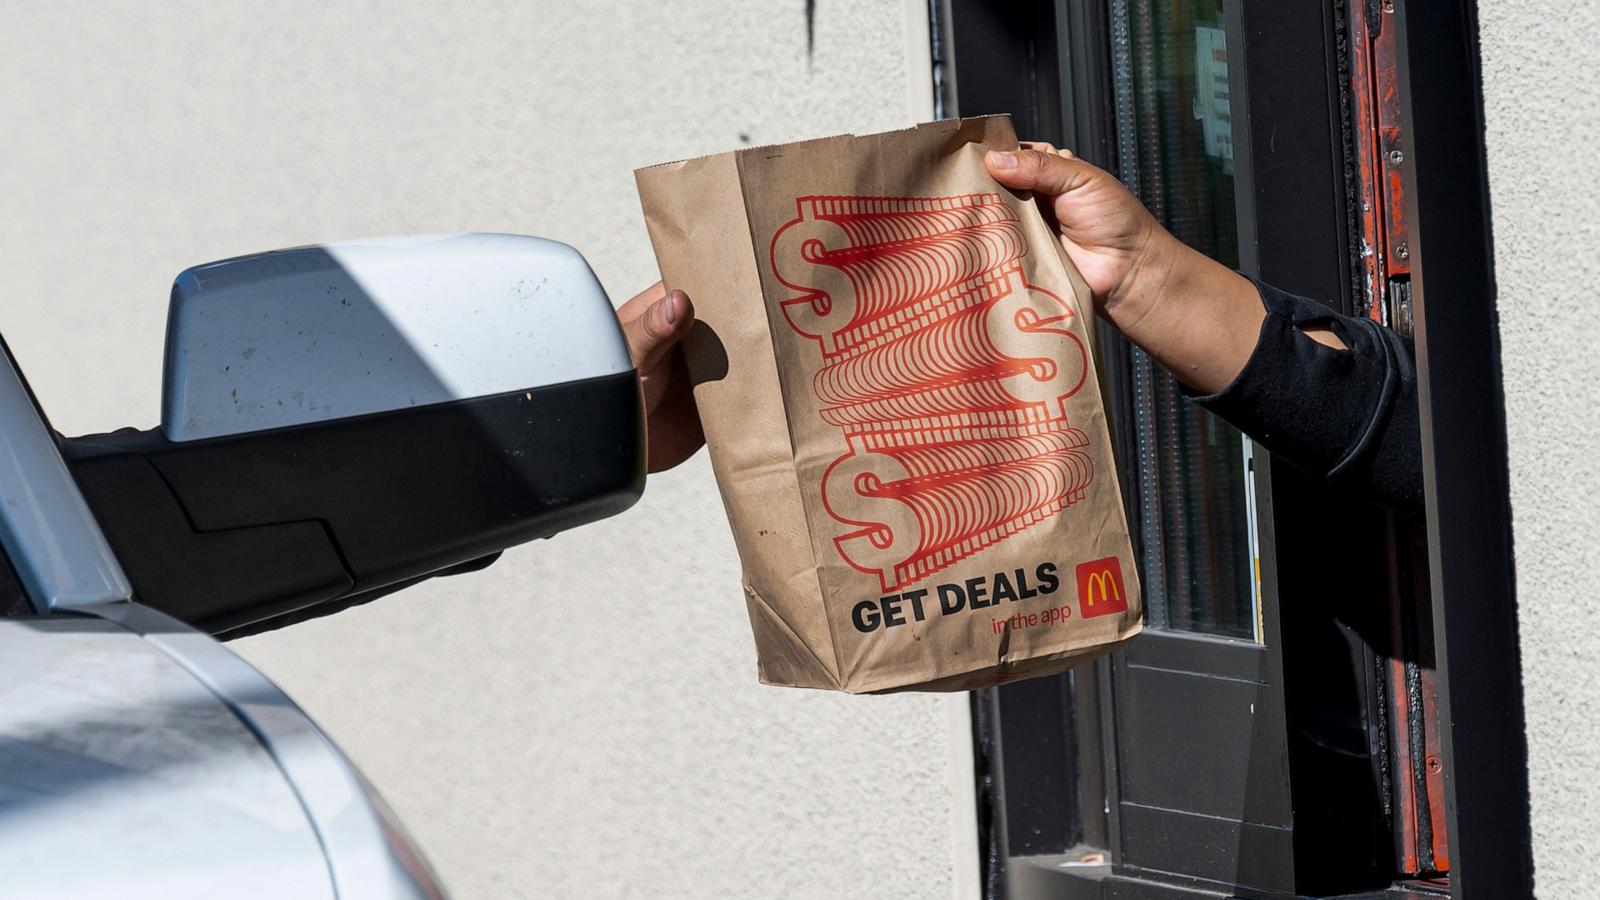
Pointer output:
x,y
1194,316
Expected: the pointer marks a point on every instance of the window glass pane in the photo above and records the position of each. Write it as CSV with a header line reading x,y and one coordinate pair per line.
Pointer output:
x,y
1175,152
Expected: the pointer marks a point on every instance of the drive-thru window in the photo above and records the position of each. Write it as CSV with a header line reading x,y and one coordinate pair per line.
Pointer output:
x,y
1277,731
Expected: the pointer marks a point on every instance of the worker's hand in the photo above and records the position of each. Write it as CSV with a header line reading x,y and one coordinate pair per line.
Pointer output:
x,y
1192,314
655,323
1117,245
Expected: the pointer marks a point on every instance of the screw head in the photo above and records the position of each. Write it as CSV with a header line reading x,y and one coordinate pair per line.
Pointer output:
x,y
1401,251
1396,157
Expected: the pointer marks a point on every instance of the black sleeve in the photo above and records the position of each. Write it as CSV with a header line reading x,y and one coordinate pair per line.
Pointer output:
x,y
1349,416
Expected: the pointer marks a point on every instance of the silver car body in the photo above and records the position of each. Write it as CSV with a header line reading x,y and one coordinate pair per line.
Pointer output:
x,y
141,758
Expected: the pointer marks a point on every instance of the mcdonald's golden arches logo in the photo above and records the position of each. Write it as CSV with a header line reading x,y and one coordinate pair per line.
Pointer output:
x,y
1100,588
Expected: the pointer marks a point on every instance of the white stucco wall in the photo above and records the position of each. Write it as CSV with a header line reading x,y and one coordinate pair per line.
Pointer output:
x,y
581,720
1542,109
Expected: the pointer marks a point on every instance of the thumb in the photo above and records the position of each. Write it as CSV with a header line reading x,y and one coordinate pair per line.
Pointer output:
x,y
1032,170
653,322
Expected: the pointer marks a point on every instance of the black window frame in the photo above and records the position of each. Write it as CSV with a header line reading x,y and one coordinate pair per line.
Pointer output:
x,y
1047,63
1464,454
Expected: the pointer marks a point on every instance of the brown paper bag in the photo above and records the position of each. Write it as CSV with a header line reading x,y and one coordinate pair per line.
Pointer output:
x,y
892,365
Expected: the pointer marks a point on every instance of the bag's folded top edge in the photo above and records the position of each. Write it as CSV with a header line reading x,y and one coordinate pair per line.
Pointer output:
x,y
848,134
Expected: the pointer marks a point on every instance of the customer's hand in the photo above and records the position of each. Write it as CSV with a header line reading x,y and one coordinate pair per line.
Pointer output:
x,y
655,322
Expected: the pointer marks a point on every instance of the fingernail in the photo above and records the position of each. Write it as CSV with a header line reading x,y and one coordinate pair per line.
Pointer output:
x,y
670,304
1002,160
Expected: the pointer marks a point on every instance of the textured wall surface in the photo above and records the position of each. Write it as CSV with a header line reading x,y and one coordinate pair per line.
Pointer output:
x,y
1542,109
582,719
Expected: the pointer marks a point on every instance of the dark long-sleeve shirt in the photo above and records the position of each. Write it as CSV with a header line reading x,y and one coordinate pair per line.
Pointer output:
x,y
1349,416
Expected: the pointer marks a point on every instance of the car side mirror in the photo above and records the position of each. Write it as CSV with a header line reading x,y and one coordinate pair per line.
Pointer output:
x,y
343,420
